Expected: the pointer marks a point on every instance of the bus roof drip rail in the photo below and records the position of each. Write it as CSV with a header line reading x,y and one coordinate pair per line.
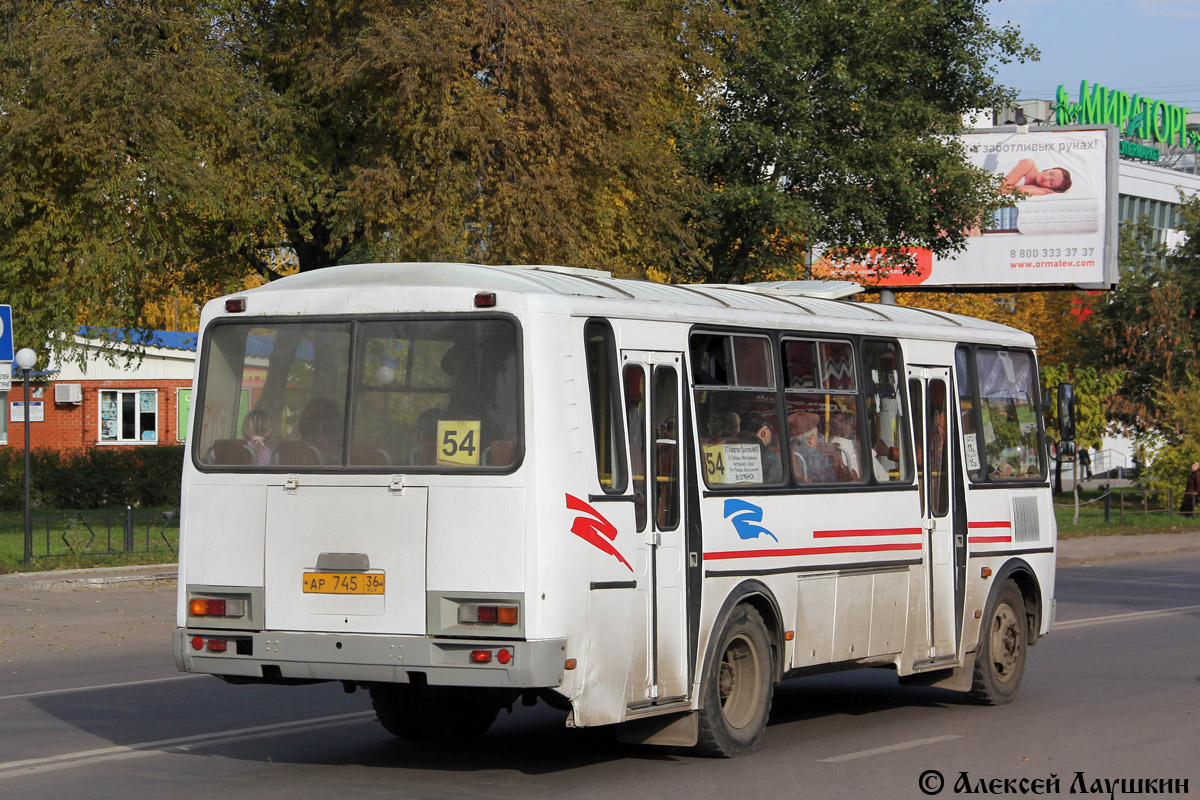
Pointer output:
x,y
824,290
580,272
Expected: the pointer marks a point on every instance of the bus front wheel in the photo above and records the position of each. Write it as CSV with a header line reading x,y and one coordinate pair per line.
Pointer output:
x,y
738,687
433,712
1003,641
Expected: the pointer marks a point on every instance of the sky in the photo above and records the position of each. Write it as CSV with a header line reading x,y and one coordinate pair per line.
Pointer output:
x,y
1149,47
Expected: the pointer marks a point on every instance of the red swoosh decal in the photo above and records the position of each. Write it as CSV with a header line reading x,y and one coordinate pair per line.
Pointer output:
x,y
596,530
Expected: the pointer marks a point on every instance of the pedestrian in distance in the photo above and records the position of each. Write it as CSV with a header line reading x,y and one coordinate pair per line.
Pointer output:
x,y
1085,463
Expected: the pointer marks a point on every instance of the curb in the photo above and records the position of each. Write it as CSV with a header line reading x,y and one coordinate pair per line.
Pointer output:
x,y
96,578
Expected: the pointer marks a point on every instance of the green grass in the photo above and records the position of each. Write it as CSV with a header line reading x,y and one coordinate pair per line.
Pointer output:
x,y
1142,515
69,547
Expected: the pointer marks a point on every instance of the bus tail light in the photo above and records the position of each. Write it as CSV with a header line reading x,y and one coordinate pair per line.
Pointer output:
x,y
503,655
470,614
216,607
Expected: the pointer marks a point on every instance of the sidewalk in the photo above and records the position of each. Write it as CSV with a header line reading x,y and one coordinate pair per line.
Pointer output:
x,y
1074,551
1087,549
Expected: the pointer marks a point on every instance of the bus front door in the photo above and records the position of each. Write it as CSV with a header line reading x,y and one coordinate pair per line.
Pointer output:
x,y
652,384
932,429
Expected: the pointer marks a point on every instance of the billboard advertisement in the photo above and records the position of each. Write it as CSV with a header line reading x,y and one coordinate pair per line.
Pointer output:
x,y
1061,229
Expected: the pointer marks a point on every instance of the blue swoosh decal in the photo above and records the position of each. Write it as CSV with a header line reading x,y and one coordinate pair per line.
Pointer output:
x,y
746,520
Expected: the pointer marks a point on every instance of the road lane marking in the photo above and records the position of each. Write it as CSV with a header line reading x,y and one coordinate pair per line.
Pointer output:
x,y
50,692
183,744
1161,612
891,748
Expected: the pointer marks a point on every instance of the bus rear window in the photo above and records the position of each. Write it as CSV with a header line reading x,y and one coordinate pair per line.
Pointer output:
x,y
418,394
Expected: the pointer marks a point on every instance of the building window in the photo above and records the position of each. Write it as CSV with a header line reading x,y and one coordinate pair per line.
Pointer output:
x,y
128,415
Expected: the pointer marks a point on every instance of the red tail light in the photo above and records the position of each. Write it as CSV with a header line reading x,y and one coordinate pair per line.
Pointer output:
x,y
488,615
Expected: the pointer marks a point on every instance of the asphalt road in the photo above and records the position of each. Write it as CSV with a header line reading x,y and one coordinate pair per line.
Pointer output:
x,y
91,706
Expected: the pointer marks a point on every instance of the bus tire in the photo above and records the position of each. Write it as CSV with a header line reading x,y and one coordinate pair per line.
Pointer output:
x,y
433,713
1003,645
737,688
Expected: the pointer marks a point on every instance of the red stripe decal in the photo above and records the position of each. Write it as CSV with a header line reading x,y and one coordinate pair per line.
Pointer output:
x,y
813,551
985,539
595,529
868,532
1000,524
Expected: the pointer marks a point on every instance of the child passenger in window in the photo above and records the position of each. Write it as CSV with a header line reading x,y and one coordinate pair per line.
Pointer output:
x,y
256,428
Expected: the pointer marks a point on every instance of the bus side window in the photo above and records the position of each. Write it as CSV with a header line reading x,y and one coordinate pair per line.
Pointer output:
x,y
635,414
887,430
603,386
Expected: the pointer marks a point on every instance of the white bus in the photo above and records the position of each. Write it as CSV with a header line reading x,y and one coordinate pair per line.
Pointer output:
x,y
459,486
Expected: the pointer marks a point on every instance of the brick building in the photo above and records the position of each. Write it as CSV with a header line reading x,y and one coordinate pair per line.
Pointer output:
x,y
100,404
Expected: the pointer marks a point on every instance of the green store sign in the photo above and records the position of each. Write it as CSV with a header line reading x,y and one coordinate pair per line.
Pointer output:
x,y
1134,115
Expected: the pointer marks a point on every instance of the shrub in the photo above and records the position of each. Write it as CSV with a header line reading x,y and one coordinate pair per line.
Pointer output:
x,y
92,477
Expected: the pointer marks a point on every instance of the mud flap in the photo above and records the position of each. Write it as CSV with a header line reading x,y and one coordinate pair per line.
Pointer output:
x,y
670,730
956,679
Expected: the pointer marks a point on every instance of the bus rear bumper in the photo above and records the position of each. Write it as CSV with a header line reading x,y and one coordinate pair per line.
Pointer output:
x,y
283,657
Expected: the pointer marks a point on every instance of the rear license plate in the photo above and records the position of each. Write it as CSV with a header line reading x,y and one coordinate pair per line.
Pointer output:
x,y
342,583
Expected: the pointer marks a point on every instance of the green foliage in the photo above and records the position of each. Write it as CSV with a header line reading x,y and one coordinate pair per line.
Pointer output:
x,y
151,149
1172,452
93,477
830,125
1147,328
1093,388
133,159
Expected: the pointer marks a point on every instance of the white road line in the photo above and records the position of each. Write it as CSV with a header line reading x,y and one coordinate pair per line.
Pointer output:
x,y
49,692
891,748
31,766
1161,612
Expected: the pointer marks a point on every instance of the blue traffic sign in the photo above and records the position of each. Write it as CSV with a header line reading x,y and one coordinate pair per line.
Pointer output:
x,y
6,334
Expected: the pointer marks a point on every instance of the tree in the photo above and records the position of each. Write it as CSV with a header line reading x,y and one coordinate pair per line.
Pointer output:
x,y
497,132
1147,328
131,158
171,146
831,123
1052,316
155,147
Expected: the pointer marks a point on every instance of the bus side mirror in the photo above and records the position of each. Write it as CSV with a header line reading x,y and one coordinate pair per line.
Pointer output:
x,y
1066,411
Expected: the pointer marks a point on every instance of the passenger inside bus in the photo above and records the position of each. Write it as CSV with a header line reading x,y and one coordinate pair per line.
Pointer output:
x,y
844,438
809,463
257,431
755,430
320,426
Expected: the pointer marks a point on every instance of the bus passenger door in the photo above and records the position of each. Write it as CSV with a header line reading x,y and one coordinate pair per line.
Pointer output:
x,y
929,393
652,386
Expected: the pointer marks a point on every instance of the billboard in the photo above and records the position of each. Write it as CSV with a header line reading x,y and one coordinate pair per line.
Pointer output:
x,y
1061,229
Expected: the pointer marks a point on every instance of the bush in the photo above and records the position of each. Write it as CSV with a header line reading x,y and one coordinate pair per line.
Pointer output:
x,y
92,477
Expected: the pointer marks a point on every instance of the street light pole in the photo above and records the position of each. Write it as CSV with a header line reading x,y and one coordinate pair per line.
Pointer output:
x,y
26,358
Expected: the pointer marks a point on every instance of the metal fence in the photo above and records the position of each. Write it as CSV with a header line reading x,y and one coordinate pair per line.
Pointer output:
x,y
104,532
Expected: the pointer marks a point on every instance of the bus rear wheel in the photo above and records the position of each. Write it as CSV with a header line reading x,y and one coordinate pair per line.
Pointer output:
x,y
1003,643
737,688
433,712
